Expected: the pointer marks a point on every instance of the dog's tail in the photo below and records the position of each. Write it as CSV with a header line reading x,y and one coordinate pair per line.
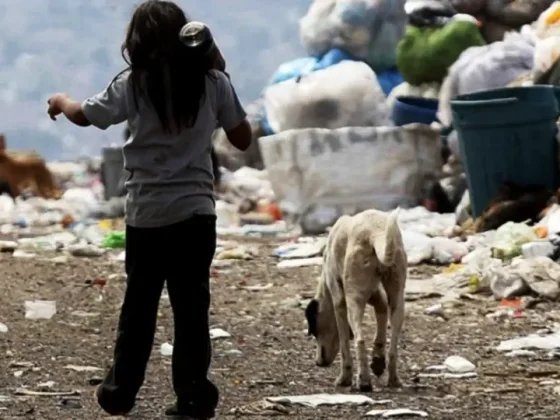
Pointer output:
x,y
386,245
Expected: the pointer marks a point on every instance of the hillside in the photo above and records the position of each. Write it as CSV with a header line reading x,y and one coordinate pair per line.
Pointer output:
x,y
48,46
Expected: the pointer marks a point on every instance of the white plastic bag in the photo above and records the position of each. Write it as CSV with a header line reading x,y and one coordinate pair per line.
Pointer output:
x,y
344,95
448,251
538,274
510,237
324,172
366,29
40,309
419,247
427,90
547,52
548,23
490,66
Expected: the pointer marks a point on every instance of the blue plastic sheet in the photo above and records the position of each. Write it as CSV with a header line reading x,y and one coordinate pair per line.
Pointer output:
x,y
301,66
389,80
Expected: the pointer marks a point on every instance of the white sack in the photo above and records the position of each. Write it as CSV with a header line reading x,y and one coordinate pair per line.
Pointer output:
x,y
319,174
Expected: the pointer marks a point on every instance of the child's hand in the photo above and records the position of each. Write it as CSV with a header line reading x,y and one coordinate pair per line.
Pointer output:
x,y
55,105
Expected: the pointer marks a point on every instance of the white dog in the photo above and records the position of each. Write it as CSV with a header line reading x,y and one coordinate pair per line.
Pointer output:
x,y
364,263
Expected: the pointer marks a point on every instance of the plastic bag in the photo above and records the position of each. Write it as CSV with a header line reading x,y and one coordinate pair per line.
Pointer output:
x,y
116,239
302,66
448,251
319,174
293,69
419,247
366,29
425,54
547,52
548,23
538,274
510,237
486,67
426,90
389,80
479,272
344,95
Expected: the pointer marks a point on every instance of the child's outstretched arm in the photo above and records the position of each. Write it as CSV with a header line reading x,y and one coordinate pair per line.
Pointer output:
x,y
62,104
103,110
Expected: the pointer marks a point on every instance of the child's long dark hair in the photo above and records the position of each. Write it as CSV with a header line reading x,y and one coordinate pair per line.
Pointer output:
x,y
163,70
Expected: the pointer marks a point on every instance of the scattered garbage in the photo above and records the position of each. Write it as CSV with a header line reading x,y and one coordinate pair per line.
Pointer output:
x,y
521,353
216,333
454,367
91,251
83,368
3,328
40,309
114,240
397,412
166,350
30,393
301,262
303,248
531,342
509,239
458,364
317,400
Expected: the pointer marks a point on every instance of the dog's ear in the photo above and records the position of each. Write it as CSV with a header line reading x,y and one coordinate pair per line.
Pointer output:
x,y
311,313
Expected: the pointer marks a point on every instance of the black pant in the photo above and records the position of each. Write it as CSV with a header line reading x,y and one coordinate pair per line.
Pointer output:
x,y
181,254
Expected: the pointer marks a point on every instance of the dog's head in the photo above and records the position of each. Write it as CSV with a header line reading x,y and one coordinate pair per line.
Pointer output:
x,y
321,324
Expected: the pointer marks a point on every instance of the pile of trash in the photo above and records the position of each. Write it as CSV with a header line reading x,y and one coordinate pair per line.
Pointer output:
x,y
365,120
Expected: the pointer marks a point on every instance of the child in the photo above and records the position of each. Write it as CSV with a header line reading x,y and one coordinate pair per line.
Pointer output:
x,y
172,102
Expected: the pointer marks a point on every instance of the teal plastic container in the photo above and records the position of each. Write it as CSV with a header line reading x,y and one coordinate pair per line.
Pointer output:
x,y
504,135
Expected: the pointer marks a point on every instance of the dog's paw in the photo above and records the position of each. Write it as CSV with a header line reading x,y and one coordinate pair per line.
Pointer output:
x,y
378,366
394,382
343,381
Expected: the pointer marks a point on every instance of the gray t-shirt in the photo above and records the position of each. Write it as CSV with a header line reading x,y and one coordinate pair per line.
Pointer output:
x,y
171,176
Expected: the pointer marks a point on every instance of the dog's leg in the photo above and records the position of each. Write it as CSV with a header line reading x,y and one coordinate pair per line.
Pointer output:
x,y
341,315
379,303
396,304
356,308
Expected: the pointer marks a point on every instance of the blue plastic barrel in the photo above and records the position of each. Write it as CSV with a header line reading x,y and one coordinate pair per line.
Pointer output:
x,y
411,109
507,134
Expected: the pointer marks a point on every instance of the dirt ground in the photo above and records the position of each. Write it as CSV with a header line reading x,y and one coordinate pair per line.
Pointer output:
x,y
269,353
